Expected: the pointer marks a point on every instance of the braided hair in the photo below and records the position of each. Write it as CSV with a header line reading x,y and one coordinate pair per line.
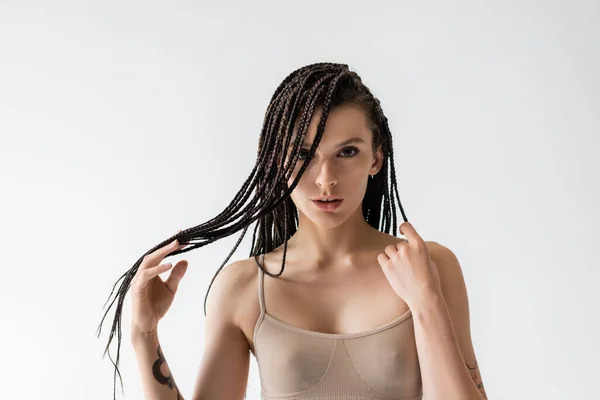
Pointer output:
x,y
325,85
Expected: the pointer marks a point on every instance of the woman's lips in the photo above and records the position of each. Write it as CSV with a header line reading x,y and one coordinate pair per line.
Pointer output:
x,y
327,206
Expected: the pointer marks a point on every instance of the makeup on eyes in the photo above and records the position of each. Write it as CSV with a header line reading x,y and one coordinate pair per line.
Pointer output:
x,y
354,149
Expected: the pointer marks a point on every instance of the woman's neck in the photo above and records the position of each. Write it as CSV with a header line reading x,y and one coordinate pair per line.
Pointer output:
x,y
338,244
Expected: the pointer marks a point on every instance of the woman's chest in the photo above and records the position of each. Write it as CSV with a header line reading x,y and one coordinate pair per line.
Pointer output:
x,y
376,364
359,302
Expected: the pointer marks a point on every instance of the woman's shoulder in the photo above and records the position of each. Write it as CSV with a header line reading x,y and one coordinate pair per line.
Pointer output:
x,y
232,280
238,274
232,289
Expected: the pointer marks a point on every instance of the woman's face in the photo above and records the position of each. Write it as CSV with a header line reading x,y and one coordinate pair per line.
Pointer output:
x,y
340,166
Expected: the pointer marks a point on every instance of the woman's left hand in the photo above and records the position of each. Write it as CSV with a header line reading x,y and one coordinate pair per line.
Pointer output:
x,y
409,268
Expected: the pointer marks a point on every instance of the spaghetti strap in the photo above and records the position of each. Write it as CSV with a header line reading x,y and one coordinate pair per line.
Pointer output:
x,y
261,290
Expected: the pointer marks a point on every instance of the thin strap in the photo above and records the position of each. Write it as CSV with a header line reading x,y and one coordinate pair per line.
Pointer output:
x,y
261,290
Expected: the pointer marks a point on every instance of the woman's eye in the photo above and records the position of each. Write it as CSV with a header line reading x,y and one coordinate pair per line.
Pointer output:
x,y
302,152
352,149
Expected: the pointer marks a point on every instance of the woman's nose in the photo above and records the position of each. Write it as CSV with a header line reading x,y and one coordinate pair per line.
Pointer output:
x,y
327,176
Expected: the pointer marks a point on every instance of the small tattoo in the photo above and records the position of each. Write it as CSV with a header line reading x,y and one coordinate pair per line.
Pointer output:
x,y
164,380
476,378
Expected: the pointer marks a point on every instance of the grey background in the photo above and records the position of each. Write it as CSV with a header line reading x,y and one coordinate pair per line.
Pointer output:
x,y
122,122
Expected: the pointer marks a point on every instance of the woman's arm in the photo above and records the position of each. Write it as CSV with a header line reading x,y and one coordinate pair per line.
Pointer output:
x,y
444,370
442,330
157,379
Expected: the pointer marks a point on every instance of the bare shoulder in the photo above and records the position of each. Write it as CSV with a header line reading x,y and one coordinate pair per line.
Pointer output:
x,y
230,287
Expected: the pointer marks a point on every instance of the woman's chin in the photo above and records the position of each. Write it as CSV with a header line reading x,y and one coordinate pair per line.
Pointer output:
x,y
328,220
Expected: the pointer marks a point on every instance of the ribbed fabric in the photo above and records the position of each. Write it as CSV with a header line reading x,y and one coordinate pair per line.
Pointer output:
x,y
299,364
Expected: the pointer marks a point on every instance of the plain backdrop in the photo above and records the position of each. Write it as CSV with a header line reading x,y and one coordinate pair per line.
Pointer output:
x,y
122,122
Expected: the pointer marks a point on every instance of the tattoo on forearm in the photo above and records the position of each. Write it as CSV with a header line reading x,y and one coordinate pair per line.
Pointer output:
x,y
160,377
476,378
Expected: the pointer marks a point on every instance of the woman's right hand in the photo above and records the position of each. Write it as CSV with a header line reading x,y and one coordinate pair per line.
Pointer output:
x,y
151,296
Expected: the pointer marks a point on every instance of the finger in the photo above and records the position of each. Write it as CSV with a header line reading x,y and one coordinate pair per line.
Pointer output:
x,y
156,257
173,237
382,259
175,276
401,243
391,251
150,273
410,232
142,277
182,245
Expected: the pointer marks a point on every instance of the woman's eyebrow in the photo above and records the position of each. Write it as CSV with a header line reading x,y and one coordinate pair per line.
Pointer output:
x,y
345,142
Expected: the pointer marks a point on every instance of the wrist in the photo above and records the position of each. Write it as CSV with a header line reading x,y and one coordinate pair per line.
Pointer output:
x,y
141,336
429,300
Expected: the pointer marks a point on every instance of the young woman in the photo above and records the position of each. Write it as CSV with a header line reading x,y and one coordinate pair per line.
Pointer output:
x,y
330,303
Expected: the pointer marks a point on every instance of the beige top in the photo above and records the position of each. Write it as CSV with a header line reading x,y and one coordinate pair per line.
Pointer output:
x,y
296,363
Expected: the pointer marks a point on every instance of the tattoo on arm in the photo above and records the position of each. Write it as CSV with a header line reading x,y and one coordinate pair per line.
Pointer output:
x,y
476,378
160,377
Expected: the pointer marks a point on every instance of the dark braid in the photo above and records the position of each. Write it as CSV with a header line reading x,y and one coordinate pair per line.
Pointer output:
x,y
325,85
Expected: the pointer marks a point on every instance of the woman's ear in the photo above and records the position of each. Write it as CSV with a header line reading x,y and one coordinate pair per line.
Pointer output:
x,y
377,161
